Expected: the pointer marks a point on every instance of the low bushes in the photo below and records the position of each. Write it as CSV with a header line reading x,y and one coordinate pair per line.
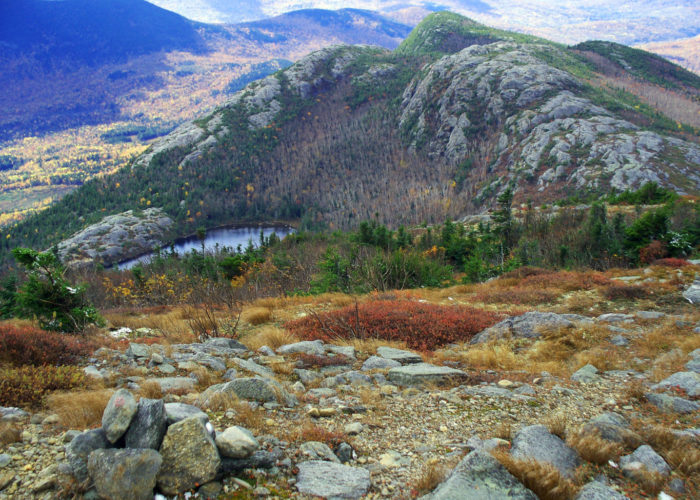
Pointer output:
x,y
422,326
31,346
624,292
671,262
27,385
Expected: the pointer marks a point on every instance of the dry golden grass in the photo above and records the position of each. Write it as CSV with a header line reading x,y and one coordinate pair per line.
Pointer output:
x,y
683,454
543,479
150,389
205,377
220,401
594,449
503,431
309,431
257,315
369,346
433,472
498,355
268,335
10,432
248,417
171,322
558,424
282,367
79,410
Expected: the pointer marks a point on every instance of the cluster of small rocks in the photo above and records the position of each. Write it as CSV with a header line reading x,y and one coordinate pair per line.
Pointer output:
x,y
396,413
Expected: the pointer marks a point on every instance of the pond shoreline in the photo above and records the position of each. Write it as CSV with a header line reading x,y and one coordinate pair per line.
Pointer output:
x,y
284,227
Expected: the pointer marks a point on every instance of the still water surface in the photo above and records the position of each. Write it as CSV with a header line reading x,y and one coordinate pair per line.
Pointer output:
x,y
229,237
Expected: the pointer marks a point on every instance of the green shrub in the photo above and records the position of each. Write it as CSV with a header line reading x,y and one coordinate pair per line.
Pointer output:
x,y
49,297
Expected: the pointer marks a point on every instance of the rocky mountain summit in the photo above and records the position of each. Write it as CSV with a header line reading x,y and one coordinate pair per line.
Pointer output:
x,y
116,237
366,419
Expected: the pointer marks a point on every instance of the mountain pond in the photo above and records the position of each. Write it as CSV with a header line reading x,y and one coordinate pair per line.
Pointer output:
x,y
230,237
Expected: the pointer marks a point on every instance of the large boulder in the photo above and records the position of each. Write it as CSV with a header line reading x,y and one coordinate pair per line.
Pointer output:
x,y
646,456
613,427
118,414
400,355
688,381
236,442
79,449
148,426
692,293
422,373
479,476
119,474
175,412
190,457
332,480
528,325
378,363
251,389
535,442
672,404
598,491
312,347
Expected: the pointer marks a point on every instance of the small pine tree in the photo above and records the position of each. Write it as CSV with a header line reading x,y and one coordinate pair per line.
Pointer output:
x,y
48,296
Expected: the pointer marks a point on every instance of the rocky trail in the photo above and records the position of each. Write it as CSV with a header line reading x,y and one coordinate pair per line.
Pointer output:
x,y
308,419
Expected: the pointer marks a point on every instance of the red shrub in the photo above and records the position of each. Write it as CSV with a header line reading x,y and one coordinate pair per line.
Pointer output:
x,y
31,346
671,262
653,251
422,326
525,272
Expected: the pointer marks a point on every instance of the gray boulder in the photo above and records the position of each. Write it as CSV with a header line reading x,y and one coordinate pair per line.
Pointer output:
x,y
586,375
535,442
175,412
236,442
190,457
612,427
479,476
528,325
332,480
253,367
174,384
422,373
148,426
119,474
400,355
688,381
118,414
598,491
79,449
693,365
646,456
672,404
251,389
692,293
136,350
261,459
377,363
314,347
314,450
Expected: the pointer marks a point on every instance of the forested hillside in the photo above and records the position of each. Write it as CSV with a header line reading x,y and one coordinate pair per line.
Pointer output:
x,y
438,128
87,85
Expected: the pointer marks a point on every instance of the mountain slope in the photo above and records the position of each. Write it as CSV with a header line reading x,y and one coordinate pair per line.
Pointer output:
x,y
82,97
92,31
428,131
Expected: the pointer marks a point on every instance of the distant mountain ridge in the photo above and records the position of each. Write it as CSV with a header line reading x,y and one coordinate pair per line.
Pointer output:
x,y
438,128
